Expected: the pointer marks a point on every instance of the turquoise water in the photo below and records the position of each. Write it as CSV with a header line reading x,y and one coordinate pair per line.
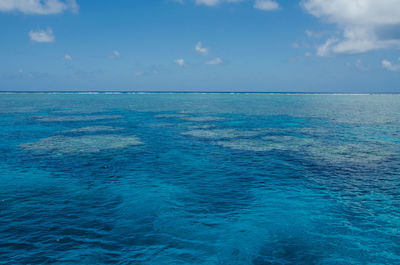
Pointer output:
x,y
199,179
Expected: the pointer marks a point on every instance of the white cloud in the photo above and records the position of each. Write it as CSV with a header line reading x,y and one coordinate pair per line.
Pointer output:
x,y
365,24
360,65
266,5
215,61
325,49
138,73
295,45
215,2
114,55
316,34
67,57
390,66
38,7
180,62
42,35
200,49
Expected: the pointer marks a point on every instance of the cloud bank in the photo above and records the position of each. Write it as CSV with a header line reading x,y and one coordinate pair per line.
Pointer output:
x,y
215,61
115,54
215,2
388,65
39,7
42,35
200,49
365,25
180,62
266,5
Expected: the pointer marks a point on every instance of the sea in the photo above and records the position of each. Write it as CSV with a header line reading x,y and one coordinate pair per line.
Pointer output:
x,y
199,178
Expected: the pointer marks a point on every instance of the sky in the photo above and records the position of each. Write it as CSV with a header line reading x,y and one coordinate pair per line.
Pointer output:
x,y
200,45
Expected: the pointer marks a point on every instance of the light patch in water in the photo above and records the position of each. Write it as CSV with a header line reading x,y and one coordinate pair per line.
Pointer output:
x,y
82,111
17,110
309,131
317,151
93,129
220,133
246,145
201,127
268,143
350,152
288,142
314,131
81,144
203,119
77,118
160,125
171,116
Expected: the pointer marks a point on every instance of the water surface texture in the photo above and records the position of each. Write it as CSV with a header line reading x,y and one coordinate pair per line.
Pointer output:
x,y
199,179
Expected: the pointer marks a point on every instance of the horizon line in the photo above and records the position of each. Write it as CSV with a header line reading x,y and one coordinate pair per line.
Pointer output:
x,y
191,92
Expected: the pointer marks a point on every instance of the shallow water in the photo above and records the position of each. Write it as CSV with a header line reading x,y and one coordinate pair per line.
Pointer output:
x,y
199,179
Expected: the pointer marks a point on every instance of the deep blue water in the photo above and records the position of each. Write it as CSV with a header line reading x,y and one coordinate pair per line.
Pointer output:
x,y
199,179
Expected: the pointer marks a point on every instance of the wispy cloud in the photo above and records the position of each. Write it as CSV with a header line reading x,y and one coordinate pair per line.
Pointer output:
x,y
200,49
178,1
365,25
151,71
21,74
388,65
67,57
180,62
114,55
215,61
326,48
317,34
85,74
359,65
266,5
42,35
215,2
39,7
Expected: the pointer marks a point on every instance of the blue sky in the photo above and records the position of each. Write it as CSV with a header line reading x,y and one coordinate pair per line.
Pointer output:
x,y
200,45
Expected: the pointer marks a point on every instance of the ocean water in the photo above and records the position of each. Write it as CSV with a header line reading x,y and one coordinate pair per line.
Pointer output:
x,y
199,179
